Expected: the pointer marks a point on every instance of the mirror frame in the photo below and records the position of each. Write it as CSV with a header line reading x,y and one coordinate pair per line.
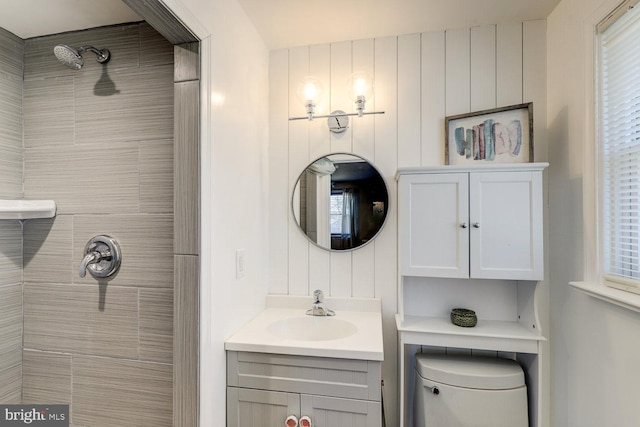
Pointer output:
x,y
297,183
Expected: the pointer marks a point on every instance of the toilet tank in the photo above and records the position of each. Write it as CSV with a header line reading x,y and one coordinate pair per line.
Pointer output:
x,y
461,391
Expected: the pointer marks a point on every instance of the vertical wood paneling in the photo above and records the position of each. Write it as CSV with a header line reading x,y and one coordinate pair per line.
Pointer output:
x,y
385,272
364,145
279,198
341,59
509,64
341,274
319,263
534,81
363,127
298,160
458,71
409,100
320,66
433,98
483,67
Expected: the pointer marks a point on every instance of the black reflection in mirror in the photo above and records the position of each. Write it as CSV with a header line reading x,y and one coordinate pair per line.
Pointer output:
x,y
340,202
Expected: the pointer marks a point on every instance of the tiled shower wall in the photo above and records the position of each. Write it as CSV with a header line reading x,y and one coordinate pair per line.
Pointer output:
x,y
11,66
99,141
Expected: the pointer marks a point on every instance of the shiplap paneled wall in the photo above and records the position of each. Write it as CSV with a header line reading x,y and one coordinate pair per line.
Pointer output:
x,y
419,79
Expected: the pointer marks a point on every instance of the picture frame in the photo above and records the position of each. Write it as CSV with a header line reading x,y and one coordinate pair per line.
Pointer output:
x,y
498,135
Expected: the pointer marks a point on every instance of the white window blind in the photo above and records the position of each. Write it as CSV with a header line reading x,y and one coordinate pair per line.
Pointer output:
x,y
619,60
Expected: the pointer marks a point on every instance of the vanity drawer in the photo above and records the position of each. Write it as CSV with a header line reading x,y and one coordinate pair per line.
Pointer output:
x,y
356,379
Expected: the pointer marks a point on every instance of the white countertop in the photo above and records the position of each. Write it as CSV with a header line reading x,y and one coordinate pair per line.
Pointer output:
x,y
364,313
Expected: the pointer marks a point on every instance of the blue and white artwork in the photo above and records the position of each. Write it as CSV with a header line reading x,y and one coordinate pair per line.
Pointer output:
x,y
497,136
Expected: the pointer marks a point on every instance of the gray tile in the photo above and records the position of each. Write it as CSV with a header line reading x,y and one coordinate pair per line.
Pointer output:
x,y
46,377
10,318
185,346
48,250
80,319
186,158
10,253
10,111
11,53
49,112
11,162
146,242
156,325
140,108
187,62
123,41
84,179
127,393
154,49
156,176
11,377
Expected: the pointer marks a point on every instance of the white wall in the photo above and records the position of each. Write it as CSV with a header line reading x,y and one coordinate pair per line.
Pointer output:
x,y
420,79
594,345
234,176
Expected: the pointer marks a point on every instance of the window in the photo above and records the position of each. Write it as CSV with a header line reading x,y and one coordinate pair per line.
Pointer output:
x,y
336,208
619,102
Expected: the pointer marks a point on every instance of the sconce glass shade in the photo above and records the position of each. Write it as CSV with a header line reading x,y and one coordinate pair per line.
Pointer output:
x,y
309,93
360,84
360,90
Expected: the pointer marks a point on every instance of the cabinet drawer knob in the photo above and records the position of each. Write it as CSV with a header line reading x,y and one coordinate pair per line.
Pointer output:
x,y
463,225
291,421
476,225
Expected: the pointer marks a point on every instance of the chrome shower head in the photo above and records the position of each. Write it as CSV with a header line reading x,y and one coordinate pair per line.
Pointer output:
x,y
72,57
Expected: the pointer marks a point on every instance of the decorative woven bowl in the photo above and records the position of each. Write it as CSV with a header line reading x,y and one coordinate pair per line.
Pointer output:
x,y
464,317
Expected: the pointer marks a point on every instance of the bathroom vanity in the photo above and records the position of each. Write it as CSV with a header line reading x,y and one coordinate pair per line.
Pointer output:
x,y
471,237
285,364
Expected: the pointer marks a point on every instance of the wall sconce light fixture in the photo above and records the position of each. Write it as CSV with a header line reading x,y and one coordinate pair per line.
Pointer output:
x,y
360,87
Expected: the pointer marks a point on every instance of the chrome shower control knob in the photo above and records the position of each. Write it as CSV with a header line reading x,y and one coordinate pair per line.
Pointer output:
x,y
102,257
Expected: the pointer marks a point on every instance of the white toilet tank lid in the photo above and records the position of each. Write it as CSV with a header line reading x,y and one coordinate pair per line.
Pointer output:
x,y
487,373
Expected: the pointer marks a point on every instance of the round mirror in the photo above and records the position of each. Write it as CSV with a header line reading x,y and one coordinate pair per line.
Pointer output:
x,y
340,202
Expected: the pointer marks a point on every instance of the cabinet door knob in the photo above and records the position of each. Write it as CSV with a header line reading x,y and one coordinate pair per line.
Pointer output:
x,y
476,225
305,421
291,421
463,225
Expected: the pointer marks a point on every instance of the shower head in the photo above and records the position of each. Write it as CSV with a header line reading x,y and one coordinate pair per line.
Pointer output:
x,y
72,57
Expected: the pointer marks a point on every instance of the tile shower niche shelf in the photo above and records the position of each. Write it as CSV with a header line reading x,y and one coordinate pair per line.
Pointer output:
x,y
27,209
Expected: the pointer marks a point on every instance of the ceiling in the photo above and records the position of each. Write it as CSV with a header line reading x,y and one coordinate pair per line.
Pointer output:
x,y
31,18
287,23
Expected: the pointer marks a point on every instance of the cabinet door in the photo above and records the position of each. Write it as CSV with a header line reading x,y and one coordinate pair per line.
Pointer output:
x,y
260,408
506,225
434,238
336,412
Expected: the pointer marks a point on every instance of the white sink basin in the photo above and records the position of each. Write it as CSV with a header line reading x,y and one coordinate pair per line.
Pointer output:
x,y
313,328
355,332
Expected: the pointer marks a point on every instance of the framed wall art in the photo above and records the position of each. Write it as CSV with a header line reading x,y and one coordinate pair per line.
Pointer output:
x,y
499,135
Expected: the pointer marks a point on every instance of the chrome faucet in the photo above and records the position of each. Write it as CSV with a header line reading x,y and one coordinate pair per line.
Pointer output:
x,y
318,309
93,257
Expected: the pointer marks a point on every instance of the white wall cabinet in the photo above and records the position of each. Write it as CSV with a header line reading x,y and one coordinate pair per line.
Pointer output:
x,y
470,237
264,389
484,224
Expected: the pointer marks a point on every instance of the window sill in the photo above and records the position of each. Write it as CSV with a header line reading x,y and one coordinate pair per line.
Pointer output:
x,y
618,297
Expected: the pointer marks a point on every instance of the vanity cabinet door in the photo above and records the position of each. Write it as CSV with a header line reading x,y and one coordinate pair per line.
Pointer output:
x,y
260,408
505,216
433,225
336,412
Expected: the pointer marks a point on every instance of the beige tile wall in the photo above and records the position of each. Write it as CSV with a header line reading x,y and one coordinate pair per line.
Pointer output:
x,y
99,141
11,66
